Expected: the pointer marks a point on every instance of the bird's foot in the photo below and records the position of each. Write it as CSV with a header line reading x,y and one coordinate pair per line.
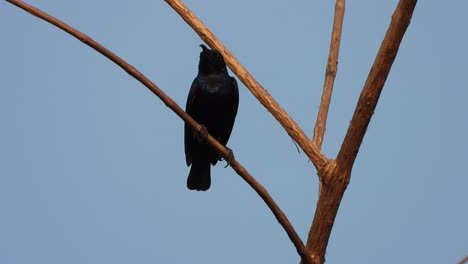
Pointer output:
x,y
230,158
202,133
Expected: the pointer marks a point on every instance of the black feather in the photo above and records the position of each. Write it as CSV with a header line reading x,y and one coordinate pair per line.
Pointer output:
x,y
212,101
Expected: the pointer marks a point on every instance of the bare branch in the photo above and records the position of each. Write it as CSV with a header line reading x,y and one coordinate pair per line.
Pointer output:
x,y
464,260
337,174
261,191
294,131
330,74
374,84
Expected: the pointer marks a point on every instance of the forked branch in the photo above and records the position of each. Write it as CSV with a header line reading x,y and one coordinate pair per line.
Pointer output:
x,y
337,175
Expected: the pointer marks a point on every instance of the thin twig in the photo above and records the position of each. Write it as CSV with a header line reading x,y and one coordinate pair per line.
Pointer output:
x,y
261,191
291,127
330,74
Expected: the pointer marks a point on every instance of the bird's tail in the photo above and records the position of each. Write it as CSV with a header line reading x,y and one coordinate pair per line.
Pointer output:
x,y
200,176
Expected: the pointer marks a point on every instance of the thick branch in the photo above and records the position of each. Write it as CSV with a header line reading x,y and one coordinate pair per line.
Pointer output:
x,y
337,174
374,84
261,191
463,261
330,196
330,74
294,131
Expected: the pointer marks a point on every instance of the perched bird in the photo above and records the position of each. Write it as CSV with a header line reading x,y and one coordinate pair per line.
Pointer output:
x,y
212,101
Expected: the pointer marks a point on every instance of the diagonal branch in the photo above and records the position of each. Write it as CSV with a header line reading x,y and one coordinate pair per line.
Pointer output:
x,y
330,74
463,261
261,191
374,84
291,127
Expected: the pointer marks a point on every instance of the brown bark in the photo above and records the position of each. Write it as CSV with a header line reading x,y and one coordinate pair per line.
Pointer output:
x,y
375,82
330,74
336,176
464,260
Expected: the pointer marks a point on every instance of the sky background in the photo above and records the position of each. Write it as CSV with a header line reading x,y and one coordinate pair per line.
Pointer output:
x,y
92,166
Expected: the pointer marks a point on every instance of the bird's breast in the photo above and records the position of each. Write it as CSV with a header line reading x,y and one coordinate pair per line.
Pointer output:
x,y
217,86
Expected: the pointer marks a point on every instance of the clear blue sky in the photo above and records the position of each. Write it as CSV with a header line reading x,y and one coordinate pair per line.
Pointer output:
x,y
92,167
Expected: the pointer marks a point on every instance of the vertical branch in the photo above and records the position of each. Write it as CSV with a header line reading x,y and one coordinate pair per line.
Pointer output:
x,y
330,74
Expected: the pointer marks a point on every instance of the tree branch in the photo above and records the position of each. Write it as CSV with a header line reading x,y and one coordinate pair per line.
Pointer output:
x,y
291,127
374,84
337,174
330,74
463,261
261,191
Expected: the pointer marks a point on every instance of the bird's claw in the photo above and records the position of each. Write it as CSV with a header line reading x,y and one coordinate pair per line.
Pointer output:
x,y
230,158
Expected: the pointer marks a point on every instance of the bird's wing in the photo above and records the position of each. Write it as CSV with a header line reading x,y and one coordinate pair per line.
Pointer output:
x,y
236,92
231,112
190,109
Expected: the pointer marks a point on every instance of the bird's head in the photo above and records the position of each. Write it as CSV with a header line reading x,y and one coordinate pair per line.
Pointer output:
x,y
211,61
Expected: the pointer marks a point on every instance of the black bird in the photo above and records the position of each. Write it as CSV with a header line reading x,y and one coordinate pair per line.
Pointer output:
x,y
212,101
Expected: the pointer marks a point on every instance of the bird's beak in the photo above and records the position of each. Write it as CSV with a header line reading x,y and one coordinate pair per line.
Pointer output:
x,y
204,47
